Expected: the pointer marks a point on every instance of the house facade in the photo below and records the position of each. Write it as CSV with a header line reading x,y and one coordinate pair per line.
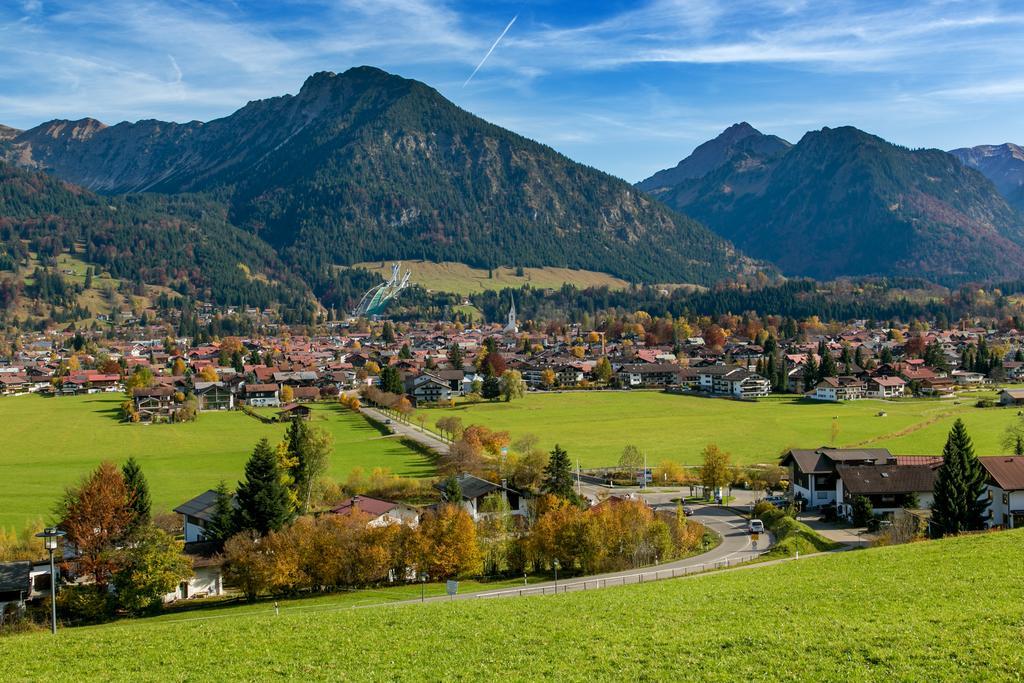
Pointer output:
x,y
742,383
838,389
427,388
155,404
884,387
214,396
648,375
813,474
1005,490
196,514
474,490
889,487
262,395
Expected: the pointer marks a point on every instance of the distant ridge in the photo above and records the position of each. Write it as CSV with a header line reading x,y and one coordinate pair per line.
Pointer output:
x,y
842,202
713,154
1002,164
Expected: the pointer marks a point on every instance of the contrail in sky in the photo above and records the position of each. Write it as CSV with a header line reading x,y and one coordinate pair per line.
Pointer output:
x,y
490,51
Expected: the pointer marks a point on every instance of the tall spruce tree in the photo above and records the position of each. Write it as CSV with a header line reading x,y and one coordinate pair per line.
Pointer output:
x,y
960,486
828,365
558,474
263,502
811,375
455,356
138,494
222,522
391,380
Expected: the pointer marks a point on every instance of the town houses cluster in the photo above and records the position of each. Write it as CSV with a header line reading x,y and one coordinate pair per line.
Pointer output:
x,y
441,362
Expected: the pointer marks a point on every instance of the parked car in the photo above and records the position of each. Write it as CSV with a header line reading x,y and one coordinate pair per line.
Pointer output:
x,y
777,501
755,526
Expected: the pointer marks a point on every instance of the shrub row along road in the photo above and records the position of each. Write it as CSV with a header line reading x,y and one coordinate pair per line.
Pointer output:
x,y
736,547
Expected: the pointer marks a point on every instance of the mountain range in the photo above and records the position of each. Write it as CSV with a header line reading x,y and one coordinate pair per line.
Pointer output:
x,y
1002,164
365,165
267,203
842,202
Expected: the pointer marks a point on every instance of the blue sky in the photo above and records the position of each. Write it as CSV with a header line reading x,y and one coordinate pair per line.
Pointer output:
x,y
627,87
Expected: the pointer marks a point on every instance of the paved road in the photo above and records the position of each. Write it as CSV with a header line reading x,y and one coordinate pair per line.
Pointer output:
x,y
735,548
407,430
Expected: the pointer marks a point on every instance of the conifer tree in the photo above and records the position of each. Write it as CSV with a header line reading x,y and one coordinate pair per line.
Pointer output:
x,y
558,474
138,494
960,486
455,355
391,381
222,523
828,365
811,375
263,502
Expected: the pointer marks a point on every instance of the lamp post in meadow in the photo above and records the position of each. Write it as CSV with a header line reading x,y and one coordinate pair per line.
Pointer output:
x,y
51,541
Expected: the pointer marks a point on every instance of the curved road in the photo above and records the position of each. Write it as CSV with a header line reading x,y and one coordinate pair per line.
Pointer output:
x,y
736,547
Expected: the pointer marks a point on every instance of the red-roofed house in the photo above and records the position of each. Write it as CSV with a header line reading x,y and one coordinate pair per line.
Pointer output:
x,y
381,512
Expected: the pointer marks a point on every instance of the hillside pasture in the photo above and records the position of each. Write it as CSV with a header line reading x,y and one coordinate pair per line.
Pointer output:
x,y
459,278
49,443
906,613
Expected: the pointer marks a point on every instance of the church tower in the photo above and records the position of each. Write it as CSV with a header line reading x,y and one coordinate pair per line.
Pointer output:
x,y
512,327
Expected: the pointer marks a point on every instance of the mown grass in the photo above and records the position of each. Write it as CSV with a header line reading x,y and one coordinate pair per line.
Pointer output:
x,y
201,610
49,443
947,610
594,426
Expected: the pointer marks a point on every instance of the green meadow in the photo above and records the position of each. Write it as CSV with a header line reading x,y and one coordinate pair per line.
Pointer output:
x,y
49,443
595,426
943,610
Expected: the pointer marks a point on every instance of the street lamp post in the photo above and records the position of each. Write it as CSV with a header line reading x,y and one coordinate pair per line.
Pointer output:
x,y
423,586
51,539
555,565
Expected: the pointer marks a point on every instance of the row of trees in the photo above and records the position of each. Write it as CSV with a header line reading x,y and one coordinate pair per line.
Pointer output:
x,y
340,551
337,551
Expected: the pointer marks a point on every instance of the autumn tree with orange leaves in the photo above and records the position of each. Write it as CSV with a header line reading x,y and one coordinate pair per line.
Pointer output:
x,y
96,515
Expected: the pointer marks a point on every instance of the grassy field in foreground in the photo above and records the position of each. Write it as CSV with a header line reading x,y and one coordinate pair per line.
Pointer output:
x,y
900,613
462,279
595,426
48,443
364,597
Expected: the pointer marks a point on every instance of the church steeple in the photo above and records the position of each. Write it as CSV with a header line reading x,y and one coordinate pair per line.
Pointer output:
x,y
512,327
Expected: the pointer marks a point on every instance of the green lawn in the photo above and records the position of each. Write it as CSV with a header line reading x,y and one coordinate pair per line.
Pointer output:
x,y
48,443
365,597
595,426
946,610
